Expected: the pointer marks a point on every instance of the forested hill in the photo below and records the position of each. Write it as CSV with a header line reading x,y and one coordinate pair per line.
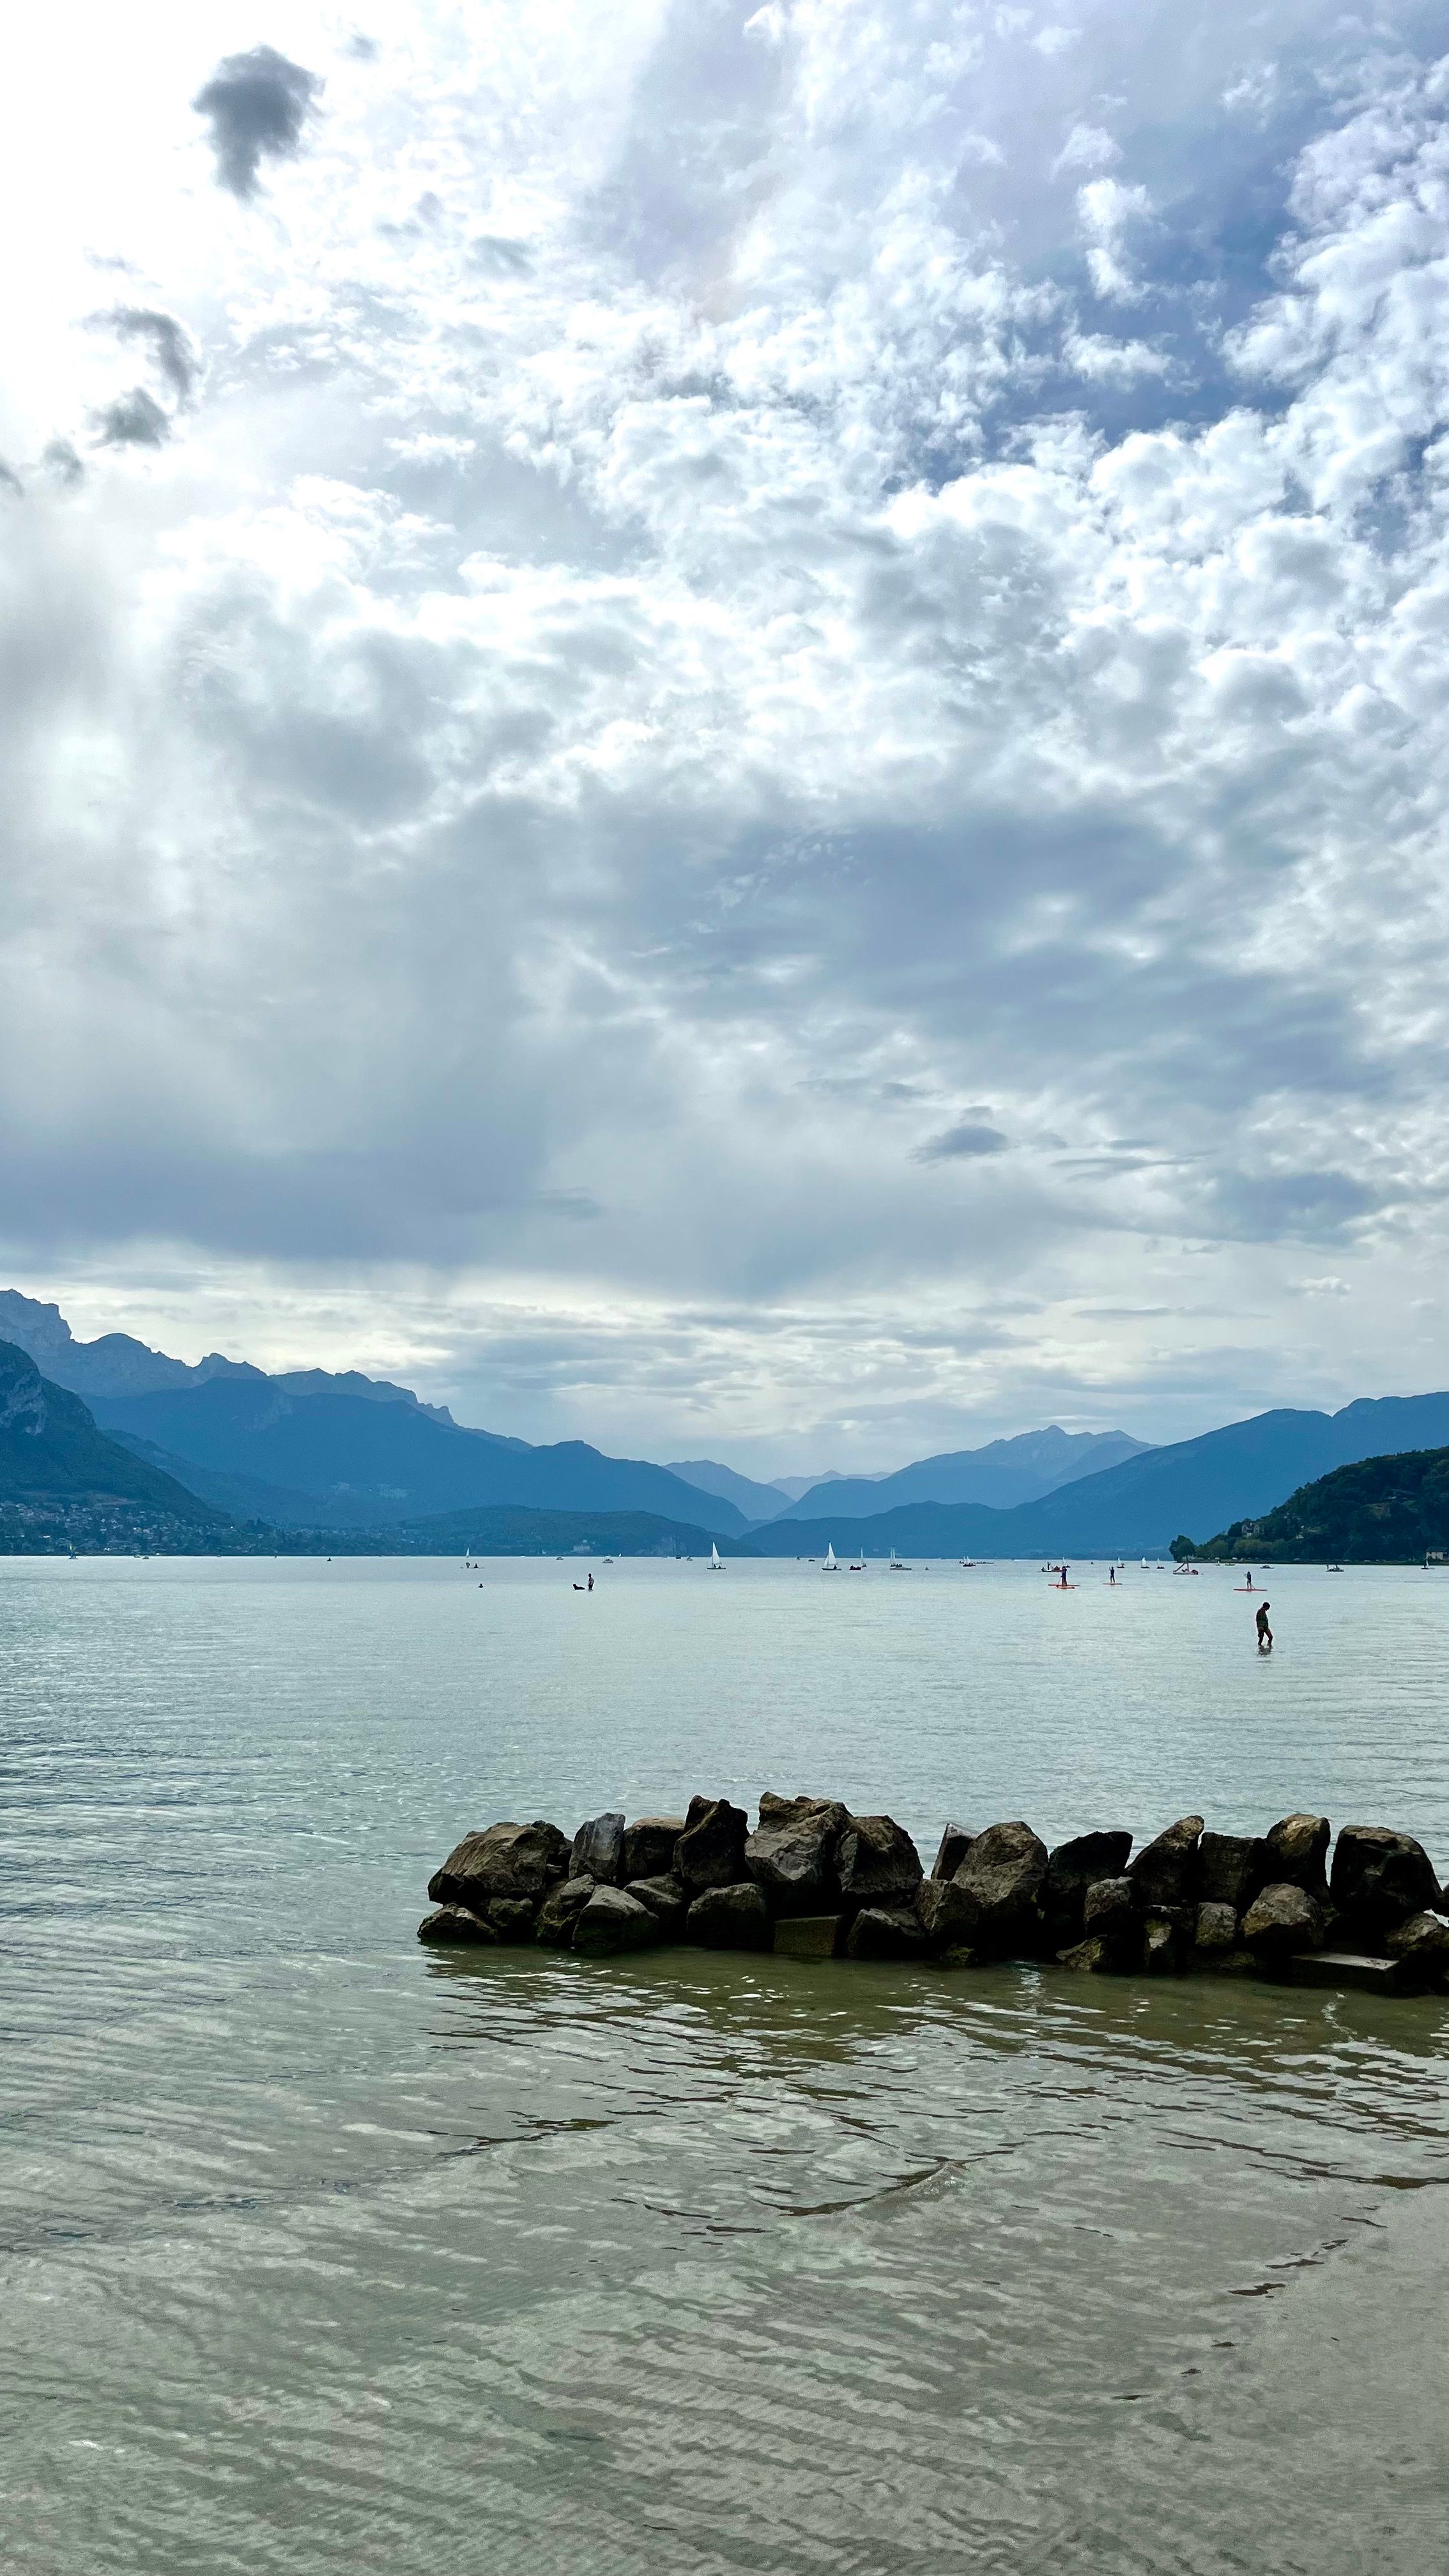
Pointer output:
x,y
1381,1511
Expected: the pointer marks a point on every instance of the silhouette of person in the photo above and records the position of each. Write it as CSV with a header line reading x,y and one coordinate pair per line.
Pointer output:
x,y
1265,1633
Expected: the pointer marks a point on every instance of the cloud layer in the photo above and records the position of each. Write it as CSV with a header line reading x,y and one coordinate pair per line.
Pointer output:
x,y
760,764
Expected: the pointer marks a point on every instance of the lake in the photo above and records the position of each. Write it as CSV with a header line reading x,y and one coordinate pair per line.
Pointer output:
x,y
325,2252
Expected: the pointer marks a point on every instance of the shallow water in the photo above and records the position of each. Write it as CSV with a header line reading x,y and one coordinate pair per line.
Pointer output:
x,y
324,2251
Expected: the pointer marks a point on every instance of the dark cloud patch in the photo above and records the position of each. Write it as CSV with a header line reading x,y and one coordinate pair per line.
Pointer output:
x,y
256,105
170,345
134,419
62,464
961,1144
10,481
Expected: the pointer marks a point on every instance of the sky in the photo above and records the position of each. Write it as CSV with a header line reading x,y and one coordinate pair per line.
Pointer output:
x,y
726,731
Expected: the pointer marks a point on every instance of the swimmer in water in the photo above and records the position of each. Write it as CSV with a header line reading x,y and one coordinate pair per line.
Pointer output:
x,y
1265,1633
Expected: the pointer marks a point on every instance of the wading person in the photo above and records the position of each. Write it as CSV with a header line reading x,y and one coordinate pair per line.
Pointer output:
x,y
1265,1633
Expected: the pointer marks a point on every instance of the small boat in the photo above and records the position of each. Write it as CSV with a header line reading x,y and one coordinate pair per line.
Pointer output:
x,y
830,1566
716,1561
1333,1569
899,1566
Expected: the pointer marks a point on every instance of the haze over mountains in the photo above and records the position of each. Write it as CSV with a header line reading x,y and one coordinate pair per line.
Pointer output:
x,y
314,1450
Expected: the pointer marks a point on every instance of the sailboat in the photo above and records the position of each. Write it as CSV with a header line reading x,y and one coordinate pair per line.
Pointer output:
x,y
716,1561
830,1566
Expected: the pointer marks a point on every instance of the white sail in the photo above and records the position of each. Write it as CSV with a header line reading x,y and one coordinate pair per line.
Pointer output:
x,y
829,1559
714,1557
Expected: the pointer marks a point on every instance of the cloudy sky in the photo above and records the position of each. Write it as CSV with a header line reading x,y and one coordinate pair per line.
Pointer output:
x,y
725,731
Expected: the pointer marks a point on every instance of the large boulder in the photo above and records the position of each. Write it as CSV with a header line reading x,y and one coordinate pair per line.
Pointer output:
x,y
1380,1878
1165,1870
598,1850
649,1847
711,1850
613,1921
1074,1867
1282,1918
886,1932
1295,1851
666,1899
454,1927
560,1911
1231,1868
1109,1909
730,1918
1215,1929
1001,1878
876,1862
512,1918
791,1853
1421,1946
505,1860
945,1913
955,1843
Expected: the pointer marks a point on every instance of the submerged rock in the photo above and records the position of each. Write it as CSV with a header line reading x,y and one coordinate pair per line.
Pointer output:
x,y
1380,1878
876,1861
649,1847
560,1911
599,1850
1231,1868
886,1932
1164,1945
955,1843
791,1853
730,1918
454,1925
613,1921
1001,1878
511,1917
506,1860
1165,1870
1096,1956
1295,1850
810,1936
711,1850
1283,1918
1421,1947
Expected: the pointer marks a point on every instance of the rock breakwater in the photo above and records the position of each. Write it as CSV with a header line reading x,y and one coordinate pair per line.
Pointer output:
x,y
813,1880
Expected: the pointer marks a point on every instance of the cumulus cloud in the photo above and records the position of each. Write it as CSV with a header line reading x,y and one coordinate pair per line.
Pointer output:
x,y
169,344
690,654
257,105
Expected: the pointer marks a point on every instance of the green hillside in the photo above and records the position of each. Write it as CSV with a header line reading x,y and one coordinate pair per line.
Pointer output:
x,y
57,1470
1382,1511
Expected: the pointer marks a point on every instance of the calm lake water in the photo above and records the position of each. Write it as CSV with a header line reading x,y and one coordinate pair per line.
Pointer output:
x,y
325,2253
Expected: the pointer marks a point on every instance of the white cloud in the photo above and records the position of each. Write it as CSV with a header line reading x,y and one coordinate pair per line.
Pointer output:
x,y
671,651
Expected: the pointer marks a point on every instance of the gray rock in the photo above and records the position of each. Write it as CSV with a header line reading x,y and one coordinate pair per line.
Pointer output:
x,y
791,1853
811,1936
560,1911
1002,1877
1164,1946
666,1900
730,1918
649,1847
1380,1878
711,1850
1165,1870
1074,1867
956,1842
945,1912
613,1921
1216,1927
1421,1947
1231,1868
877,1862
1109,1908
1096,1957
454,1926
1296,1850
1282,1918
886,1932
1344,1968
511,1917
598,1851
505,1860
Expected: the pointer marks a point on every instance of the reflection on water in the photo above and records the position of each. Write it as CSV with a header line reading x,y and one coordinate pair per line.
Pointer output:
x,y
328,2251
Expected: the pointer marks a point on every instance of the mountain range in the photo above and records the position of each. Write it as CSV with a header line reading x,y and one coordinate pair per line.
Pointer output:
x,y
314,1450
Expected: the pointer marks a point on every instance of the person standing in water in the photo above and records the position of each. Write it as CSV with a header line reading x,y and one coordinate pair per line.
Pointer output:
x,y
1265,1633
